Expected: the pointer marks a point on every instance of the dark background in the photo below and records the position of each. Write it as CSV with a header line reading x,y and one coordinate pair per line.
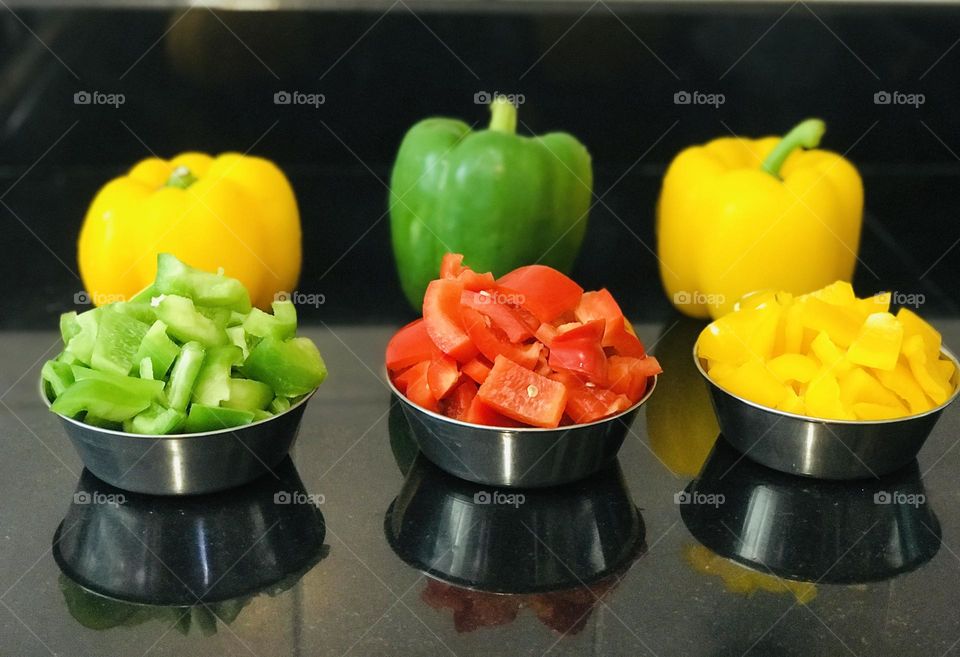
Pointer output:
x,y
204,80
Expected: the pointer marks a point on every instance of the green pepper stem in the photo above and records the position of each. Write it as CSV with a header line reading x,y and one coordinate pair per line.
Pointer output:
x,y
181,178
503,115
805,134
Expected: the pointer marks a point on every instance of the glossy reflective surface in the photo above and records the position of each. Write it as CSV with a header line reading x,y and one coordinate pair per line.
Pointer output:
x,y
631,569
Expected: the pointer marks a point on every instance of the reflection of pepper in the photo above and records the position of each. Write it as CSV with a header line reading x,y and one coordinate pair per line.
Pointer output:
x,y
500,199
739,215
231,211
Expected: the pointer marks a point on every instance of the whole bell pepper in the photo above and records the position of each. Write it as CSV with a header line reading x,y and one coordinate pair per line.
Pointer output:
x,y
231,211
738,215
501,199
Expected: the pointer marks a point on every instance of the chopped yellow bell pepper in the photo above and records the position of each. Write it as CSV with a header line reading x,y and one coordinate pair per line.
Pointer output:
x,y
870,411
900,379
878,342
755,382
914,325
793,367
858,385
830,355
822,397
928,377
838,322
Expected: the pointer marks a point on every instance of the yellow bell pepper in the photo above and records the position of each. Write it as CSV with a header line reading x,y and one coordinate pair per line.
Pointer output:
x,y
232,211
738,215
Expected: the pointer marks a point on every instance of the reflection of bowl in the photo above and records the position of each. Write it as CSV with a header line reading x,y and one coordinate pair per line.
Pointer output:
x,y
183,550
827,449
528,457
509,541
809,530
187,463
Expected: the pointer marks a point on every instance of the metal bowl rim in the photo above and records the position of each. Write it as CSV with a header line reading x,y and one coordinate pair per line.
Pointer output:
x,y
171,436
809,418
567,427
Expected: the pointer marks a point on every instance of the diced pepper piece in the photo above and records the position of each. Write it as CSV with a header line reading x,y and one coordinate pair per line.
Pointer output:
x,y
148,388
69,326
838,322
793,330
139,310
442,375
752,380
260,414
442,316
248,395
792,402
738,337
282,324
279,405
839,293
155,421
292,367
858,385
83,329
878,303
146,369
409,346
57,375
877,343
183,376
913,324
118,338
939,390
213,380
523,395
204,288
588,404
901,380
579,350
618,332
213,418
458,402
145,295
490,344
793,367
477,369
238,337
480,413
100,399
187,324
822,398
219,316
159,348
829,355
501,314
871,411
546,292
418,391
403,380
628,376
946,368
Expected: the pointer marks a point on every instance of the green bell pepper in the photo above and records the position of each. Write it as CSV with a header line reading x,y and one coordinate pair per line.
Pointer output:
x,y
100,399
501,199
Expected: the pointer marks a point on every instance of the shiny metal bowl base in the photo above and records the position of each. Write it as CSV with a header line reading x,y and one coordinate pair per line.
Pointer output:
x,y
185,464
527,457
826,449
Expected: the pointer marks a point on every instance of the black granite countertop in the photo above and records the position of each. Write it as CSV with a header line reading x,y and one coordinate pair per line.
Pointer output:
x,y
613,565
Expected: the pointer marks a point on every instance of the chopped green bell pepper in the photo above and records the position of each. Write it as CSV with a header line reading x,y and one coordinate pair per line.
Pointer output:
x,y
213,381
118,339
248,395
186,323
501,199
212,418
100,399
141,387
184,375
291,367
282,324
206,289
159,348
156,420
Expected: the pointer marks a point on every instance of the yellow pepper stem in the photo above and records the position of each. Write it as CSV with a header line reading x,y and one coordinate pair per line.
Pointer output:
x,y
181,178
805,134
503,115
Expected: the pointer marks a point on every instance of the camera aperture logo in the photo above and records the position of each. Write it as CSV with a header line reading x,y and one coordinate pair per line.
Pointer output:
x,y
714,100
298,497
485,98
96,497
299,98
98,98
899,98
696,497
83,298
899,497
499,497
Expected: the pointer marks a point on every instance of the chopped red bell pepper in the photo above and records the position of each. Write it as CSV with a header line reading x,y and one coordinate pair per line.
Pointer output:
x,y
491,345
409,346
579,350
545,292
523,395
441,314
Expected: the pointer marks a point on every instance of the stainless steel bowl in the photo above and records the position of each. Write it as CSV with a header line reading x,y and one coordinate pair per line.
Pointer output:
x,y
777,523
826,449
525,457
187,463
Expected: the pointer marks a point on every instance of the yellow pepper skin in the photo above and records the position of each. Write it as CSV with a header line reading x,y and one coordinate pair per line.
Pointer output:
x,y
738,215
231,211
